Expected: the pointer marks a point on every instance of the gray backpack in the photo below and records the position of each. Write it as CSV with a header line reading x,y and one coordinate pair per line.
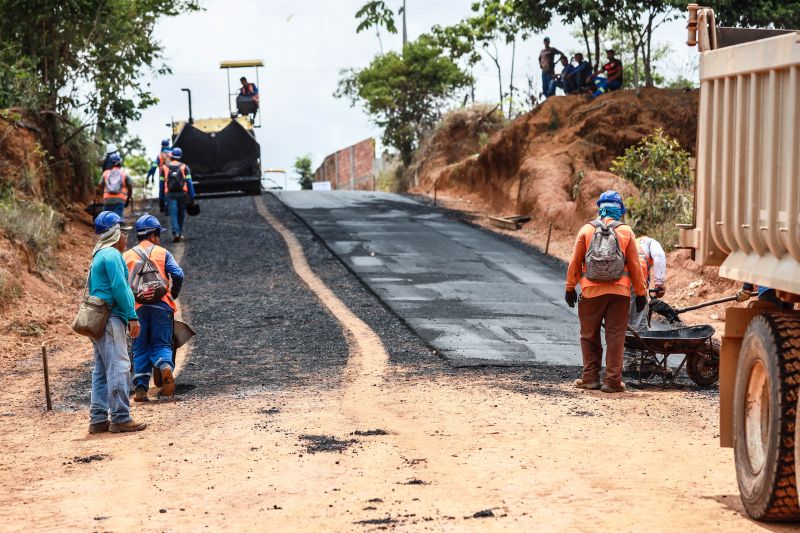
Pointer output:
x,y
604,259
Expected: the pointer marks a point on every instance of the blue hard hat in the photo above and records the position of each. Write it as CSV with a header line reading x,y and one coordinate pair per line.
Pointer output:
x,y
147,224
165,142
107,220
611,197
177,153
115,159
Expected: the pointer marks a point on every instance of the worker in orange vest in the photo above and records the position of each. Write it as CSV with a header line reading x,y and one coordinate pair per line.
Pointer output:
x,y
155,292
116,186
175,191
605,262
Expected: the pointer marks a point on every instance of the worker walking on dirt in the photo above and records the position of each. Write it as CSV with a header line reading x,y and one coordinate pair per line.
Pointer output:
x,y
547,62
160,160
116,186
108,280
175,191
605,262
155,279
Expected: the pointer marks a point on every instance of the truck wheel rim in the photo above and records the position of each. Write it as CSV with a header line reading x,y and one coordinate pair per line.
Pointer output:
x,y
756,416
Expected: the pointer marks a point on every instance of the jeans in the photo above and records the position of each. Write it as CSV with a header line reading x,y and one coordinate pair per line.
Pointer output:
x,y
637,319
111,375
614,85
176,205
547,77
153,346
115,207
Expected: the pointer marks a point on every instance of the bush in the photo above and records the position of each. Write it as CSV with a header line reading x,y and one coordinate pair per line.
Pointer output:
x,y
33,224
661,170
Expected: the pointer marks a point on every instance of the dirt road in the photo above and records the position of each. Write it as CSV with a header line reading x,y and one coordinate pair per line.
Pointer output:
x,y
314,408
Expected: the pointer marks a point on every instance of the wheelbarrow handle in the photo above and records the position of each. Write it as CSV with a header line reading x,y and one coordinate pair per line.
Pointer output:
x,y
705,304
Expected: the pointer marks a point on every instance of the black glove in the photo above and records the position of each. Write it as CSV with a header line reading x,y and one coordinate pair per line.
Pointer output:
x,y
641,303
571,297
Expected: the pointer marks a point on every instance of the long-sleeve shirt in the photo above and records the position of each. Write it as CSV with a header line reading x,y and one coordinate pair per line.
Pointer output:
x,y
160,159
189,184
650,248
632,265
108,280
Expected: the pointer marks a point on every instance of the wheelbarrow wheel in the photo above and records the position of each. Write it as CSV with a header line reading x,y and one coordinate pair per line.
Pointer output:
x,y
703,368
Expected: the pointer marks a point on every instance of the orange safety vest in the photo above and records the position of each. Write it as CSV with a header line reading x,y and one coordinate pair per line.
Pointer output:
x,y
123,194
159,258
165,173
623,234
645,259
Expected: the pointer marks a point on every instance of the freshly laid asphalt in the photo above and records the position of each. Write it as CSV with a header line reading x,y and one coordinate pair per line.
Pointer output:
x,y
474,297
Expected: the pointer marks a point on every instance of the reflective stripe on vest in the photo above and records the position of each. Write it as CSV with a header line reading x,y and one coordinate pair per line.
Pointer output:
x,y
123,194
623,238
165,172
159,258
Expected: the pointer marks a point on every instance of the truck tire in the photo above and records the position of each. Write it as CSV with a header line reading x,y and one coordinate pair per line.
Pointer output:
x,y
764,405
702,368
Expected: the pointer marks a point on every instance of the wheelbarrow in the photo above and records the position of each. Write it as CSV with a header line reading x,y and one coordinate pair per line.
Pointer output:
x,y
700,353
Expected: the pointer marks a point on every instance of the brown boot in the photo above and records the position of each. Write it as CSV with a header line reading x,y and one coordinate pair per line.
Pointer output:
x,y
127,427
589,385
140,395
167,382
611,388
99,427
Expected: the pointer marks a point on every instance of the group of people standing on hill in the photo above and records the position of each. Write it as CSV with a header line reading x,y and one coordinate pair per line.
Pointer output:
x,y
576,75
139,287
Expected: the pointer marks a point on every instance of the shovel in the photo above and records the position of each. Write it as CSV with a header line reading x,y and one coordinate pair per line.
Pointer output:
x,y
671,313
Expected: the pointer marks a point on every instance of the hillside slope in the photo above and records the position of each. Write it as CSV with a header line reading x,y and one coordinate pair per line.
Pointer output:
x,y
554,160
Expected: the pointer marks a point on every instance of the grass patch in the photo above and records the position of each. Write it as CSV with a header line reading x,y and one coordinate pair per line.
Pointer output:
x,y
35,225
10,288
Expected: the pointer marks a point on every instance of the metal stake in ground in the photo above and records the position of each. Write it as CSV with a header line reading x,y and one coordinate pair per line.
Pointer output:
x,y
547,244
46,378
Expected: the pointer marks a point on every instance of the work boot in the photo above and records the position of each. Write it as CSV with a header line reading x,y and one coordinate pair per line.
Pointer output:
x,y
590,385
167,382
140,395
127,427
611,388
99,427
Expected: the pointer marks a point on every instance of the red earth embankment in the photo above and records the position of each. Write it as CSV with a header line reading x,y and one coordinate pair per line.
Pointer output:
x,y
554,160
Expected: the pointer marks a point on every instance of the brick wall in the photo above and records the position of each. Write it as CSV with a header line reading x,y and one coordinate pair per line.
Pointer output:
x,y
350,168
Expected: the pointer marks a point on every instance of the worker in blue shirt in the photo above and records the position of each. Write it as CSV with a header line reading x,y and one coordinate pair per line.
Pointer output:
x,y
175,191
108,280
152,349
765,294
161,159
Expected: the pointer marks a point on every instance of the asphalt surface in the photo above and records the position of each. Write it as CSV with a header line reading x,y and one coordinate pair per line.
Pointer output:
x,y
473,296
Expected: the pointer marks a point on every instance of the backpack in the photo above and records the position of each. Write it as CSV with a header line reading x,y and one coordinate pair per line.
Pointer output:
x,y
176,177
115,181
145,280
604,259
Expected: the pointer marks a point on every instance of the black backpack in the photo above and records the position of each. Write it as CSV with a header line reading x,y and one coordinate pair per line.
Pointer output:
x,y
145,280
176,177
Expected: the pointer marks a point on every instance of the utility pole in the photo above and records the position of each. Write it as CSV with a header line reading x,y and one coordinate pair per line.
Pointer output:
x,y
405,33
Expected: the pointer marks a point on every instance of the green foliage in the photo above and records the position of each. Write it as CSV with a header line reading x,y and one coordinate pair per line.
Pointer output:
x,y
33,224
404,93
756,13
302,167
375,13
391,179
661,170
84,57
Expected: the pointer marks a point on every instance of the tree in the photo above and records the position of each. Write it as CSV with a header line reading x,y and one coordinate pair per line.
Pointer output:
x,y
757,13
639,20
404,93
376,14
302,167
594,17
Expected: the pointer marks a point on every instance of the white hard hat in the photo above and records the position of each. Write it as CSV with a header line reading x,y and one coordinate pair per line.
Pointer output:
x,y
110,148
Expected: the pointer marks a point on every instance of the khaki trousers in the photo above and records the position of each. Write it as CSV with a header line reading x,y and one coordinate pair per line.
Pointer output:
x,y
613,309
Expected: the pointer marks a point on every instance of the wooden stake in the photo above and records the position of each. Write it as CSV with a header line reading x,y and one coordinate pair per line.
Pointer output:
x,y
46,378
547,244
435,183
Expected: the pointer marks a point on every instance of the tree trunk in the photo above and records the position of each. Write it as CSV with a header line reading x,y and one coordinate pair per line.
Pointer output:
x,y
636,46
585,33
596,48
496,60
647,53
511,80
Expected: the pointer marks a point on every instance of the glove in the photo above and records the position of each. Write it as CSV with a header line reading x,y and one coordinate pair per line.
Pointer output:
x,y
571,297
660,291
743,295
641,303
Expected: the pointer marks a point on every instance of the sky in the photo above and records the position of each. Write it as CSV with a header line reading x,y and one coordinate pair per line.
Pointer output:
x,y
304,44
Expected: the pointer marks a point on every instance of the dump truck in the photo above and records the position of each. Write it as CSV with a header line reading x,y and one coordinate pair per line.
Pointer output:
x,y
747,222
223,152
